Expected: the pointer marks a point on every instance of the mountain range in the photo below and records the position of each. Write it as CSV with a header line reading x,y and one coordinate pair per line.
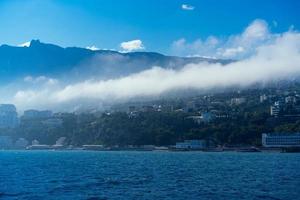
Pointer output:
x,y
41,59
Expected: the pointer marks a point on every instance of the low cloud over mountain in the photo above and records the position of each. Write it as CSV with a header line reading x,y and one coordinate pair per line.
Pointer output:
x,y
106,76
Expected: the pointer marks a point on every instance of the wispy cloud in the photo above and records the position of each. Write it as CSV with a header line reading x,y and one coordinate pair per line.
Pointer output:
x,y
40,80
187,7
132,45
93,48
237,46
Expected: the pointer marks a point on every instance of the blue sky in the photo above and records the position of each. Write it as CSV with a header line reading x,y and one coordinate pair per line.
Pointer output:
x,y
157,23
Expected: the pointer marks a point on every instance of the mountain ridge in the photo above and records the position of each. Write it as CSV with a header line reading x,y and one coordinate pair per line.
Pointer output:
x,y
44,59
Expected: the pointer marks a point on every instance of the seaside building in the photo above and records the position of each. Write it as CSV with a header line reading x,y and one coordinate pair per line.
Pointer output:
x,y
92,147
281,140
37,146
8,116
191,145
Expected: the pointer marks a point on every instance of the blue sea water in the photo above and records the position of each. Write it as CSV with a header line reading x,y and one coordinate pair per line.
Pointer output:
x,y
148,175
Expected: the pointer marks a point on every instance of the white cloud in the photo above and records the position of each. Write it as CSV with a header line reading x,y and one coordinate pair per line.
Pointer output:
x,y
25,44
232,52
93,48
132,45
205,48
237,46
40,80
258,29
187,7
279,59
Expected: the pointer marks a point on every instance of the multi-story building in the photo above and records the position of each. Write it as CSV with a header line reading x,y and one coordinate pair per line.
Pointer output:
x,y
8,116
275,109
281,140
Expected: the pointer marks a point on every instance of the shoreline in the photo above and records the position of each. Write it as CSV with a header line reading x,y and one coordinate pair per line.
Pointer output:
x,y
140,150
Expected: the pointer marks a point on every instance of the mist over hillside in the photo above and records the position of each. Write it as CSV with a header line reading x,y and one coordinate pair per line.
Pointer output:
x,y
39,66
48,76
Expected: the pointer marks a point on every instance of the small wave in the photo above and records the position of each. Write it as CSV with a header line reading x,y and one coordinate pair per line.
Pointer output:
x,y
268,197
3,194
97,198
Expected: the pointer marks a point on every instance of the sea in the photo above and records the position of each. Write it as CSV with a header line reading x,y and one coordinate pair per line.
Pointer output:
x,y
95,175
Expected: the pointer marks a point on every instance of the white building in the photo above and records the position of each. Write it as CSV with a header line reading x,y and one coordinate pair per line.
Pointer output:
x,y
280,140
191,145
93,147
37,146
275,109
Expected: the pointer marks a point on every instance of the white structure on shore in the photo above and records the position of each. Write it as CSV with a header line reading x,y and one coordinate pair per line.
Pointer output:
x,y
92,147
37,146
280,140
191,145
